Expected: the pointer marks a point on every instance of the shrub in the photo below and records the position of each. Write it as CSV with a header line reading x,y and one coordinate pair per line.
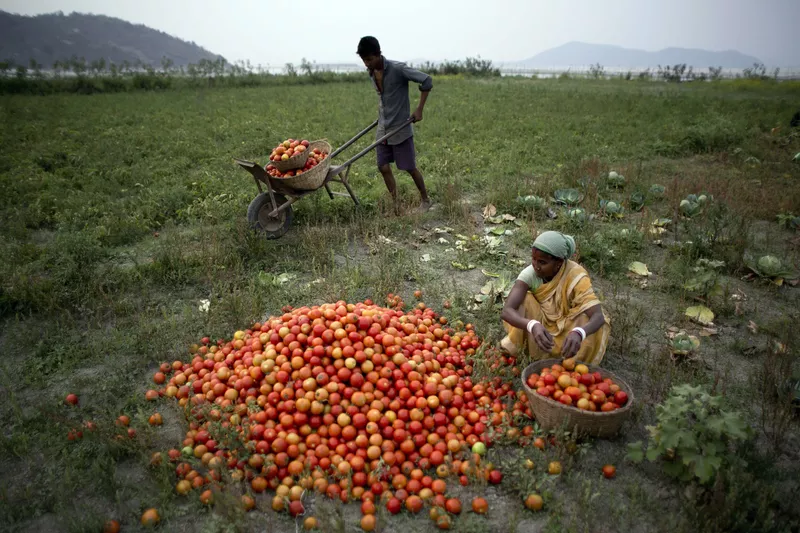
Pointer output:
x,y
693,435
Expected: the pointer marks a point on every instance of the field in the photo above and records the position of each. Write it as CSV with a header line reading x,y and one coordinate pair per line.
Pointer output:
x,y
122,212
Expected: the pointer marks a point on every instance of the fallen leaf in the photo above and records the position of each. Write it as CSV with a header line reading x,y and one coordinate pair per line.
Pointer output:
x,y
708,332
425,258
442,240
497,230
461,266
738,296
519,223
639,268
487,289
779,347
700,314
480,298
490,274
489,211
494,220
284,278
509,218
753,327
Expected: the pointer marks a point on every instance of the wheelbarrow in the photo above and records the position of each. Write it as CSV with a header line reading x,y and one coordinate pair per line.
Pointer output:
x,y
271,212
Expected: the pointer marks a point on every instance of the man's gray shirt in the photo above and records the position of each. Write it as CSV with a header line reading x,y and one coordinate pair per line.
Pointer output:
x,y
393,105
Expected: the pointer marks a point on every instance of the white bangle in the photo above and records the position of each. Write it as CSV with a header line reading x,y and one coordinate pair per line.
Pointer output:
x,y
530,326
582,333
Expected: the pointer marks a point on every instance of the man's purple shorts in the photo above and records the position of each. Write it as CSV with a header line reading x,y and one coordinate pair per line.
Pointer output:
x,y
403,154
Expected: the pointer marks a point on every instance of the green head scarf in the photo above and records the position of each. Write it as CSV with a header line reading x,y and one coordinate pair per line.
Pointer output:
x,y
556,244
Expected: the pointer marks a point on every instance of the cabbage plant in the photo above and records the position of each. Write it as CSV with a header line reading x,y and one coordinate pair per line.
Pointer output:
x,y
536,202
567,197
636,201
611,209
770,267
577,214
656,191
615,180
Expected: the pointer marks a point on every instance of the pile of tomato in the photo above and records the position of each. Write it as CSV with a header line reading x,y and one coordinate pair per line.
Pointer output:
x,y
315,157
572,384
353,401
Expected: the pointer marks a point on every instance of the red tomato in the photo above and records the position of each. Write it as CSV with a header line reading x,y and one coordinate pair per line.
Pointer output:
x,y
480,506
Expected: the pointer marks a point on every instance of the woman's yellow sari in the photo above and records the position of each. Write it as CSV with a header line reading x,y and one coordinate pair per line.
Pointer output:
x,y
560,306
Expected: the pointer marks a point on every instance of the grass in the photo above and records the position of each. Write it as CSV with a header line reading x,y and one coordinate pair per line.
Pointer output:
x,y
123,211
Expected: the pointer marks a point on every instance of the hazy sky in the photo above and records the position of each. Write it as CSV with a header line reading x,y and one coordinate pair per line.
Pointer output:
x,y
272,32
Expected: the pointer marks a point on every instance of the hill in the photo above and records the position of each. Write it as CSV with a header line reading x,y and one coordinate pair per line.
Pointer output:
x,y
584,54
55,36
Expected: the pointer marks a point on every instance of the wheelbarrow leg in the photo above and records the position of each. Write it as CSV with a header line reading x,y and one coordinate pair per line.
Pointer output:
x,y
347,186
328,188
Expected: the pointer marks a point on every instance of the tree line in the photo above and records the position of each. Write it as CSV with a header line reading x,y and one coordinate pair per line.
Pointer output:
x,y
76,75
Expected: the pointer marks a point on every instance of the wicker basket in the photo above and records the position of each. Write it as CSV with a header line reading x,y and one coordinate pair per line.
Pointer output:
x,y
551,414
314,178
298,160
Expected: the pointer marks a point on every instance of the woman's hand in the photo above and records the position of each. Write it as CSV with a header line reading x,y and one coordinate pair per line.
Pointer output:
x,y
543,338
571,345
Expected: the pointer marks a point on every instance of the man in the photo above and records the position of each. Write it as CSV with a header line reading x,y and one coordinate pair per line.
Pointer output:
x,y
390,79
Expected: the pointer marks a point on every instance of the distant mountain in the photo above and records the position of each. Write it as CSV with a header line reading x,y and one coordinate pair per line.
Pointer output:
x,y
584,54
51,37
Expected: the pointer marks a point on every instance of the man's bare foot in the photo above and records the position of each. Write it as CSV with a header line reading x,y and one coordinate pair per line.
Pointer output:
x,y
425,205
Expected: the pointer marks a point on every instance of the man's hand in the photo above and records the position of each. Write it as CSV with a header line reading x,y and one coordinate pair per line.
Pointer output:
x,y
417,115
571,345
543,338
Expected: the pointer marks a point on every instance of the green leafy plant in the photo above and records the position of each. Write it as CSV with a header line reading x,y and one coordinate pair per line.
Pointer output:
x,y
693,435
705,279
788,221
569,197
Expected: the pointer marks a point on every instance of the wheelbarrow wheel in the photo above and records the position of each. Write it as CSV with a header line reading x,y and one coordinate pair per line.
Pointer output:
x,y
258,216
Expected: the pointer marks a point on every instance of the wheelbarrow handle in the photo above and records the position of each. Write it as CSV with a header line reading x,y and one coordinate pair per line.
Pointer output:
x,y
366,150
354,139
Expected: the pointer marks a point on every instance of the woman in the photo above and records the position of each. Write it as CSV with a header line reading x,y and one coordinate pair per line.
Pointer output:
x,y
552,307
